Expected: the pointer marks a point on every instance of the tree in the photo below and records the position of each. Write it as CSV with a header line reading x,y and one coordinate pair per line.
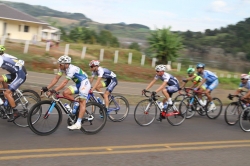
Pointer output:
x,y
134,46
165,45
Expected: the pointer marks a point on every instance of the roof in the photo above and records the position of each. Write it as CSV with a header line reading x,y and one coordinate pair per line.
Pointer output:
x,y
10,13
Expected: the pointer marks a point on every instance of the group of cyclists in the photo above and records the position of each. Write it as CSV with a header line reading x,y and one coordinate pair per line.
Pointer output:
x,y
203,80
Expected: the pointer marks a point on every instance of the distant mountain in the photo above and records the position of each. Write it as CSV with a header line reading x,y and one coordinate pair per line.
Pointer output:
x,y
37,10
70,20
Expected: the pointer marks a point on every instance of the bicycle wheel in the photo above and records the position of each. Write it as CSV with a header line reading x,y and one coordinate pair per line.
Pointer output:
x,y
232,113
245,119
31,93
119,107
214,108
94,118
145,112
185,106
178,99
23,105
176,116
47,120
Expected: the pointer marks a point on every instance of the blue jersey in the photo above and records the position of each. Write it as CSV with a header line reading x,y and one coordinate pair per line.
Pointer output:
x,y
246,85
11,65
209,76
171,80
74,73
104,73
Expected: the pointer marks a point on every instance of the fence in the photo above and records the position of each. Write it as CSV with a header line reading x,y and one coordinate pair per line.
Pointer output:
x,y
169,65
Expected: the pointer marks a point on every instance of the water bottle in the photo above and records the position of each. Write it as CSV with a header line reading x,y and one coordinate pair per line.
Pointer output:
x,y
67,107
160,104
1,101
75,107
6,103
99,100
201,102
165,106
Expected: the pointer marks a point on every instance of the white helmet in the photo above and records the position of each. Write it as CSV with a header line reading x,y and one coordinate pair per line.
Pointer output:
x,y
64,59
244,76
94,63
160,68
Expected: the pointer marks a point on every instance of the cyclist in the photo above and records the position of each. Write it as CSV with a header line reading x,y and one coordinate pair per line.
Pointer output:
x,y
245,83
105,73
16,78
169,86
209,81
10,77
82,85
192,76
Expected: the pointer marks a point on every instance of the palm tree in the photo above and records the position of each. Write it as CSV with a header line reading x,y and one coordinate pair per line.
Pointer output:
x,y
165,45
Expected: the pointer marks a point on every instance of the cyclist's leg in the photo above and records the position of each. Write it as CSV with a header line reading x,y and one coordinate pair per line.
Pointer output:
x,y
169,91
110,88
15,84
83,94
70,91
209,89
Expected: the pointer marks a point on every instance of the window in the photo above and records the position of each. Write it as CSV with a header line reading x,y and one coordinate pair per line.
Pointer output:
x,y
26,28
19,28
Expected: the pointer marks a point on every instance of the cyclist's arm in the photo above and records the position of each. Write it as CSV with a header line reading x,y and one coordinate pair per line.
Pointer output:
x,y
201,83
151,84
62,85
54,81
247,94
163,85
238,91
91,80
97,82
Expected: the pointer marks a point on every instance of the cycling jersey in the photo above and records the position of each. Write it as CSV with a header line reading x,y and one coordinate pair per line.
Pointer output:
x,y
104,73
14,67
74,73
209,76
110,77
171,80
246,85
196,79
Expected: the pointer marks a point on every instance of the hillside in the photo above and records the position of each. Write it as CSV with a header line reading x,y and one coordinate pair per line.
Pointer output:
x,y
71,20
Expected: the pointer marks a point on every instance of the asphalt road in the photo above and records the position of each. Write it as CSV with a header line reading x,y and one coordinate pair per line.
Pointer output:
x,y
198,141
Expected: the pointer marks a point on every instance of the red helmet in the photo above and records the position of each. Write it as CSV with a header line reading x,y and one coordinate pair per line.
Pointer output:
x,y
244,76
94,63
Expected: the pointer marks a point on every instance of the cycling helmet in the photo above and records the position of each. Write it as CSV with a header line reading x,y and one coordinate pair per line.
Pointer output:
x,y
160,68
200,65
94,63
190,70
64,59
2,48
244,76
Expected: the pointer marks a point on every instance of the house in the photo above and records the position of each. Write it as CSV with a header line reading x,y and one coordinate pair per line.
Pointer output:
x,y
51,33
18,25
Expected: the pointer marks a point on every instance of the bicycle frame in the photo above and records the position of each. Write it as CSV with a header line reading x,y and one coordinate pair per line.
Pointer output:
x,y
111,98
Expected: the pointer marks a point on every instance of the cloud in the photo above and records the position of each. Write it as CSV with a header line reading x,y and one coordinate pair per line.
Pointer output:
x,y
220,6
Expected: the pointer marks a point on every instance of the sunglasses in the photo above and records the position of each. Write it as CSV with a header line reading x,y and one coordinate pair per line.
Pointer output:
x,y
92,66
157,71
243,79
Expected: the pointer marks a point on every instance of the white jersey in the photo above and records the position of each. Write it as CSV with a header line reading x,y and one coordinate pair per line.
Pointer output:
x,y
103,73
74,73
171,80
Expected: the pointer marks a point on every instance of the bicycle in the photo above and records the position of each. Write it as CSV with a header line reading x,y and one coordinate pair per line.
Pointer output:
x,y
52,116
146,111
245,119
24,100
233,110
191,103
118,106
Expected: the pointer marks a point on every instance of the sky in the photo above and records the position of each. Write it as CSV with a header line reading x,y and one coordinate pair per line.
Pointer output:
x,y
180,15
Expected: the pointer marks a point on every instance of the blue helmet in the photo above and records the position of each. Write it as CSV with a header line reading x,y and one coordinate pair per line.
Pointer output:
x,y
200,65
